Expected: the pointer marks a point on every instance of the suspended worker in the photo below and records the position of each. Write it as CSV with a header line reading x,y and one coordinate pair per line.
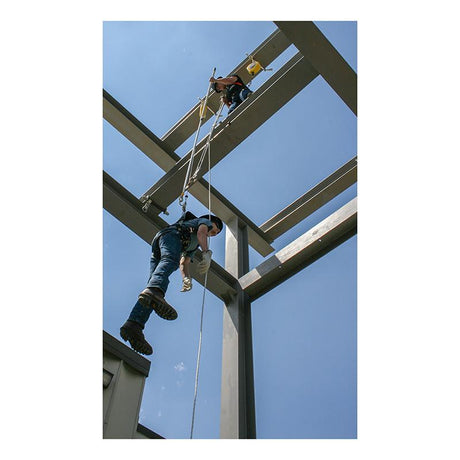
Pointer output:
x,y
172,247
234,91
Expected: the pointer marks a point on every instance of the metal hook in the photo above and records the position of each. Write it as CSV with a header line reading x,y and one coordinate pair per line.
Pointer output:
x,y
146,206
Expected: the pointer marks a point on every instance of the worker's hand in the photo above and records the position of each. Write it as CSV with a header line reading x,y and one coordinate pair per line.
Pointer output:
x,y
204,265
186,284
212,80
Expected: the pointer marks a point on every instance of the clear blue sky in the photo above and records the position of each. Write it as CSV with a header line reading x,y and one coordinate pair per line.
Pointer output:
x,y
304,331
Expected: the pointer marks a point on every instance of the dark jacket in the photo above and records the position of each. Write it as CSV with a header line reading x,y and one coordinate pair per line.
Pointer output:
x,y
232,91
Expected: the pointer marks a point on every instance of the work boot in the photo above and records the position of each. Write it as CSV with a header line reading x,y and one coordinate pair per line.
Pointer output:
x,y
132,332
154,297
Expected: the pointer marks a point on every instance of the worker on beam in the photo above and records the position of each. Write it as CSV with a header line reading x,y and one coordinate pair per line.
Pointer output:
x,y
172,247
234,91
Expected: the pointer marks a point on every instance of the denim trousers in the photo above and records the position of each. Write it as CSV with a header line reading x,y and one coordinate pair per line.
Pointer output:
x,y
165,258
242,95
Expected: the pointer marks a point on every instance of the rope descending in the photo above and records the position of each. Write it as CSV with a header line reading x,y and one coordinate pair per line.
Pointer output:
x,y
202,113
198,360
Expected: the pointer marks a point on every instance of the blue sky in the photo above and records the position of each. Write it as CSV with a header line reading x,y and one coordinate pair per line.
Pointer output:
x,y
304,331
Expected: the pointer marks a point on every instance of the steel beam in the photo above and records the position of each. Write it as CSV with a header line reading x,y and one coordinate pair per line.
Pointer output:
x,y
237,420
128,210
265,53
137,133
155,149
125,207
250,115
308,203
311,42
312,245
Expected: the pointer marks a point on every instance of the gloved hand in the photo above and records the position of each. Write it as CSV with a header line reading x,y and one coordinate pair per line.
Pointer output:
x,y
204,265
186,284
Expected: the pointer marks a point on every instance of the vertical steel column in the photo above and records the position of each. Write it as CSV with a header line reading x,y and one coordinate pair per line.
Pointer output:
x,y
237,416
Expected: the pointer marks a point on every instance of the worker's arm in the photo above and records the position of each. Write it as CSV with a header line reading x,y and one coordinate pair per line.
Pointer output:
x,y
184,266
202,235
205,263
225,81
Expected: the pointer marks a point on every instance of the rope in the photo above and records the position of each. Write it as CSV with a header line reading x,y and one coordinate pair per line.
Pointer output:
x,y
198,360
206,148
189,169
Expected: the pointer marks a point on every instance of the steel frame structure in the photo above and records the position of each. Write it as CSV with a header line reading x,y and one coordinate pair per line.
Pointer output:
x,y
235,284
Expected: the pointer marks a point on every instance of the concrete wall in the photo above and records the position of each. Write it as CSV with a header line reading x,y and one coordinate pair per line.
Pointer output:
x,y
124,374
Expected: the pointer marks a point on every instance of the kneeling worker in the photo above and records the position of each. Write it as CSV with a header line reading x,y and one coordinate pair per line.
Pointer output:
x,y
233,88
172,247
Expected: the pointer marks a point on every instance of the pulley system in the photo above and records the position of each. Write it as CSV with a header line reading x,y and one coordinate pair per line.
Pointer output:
x,y
255,67
190,178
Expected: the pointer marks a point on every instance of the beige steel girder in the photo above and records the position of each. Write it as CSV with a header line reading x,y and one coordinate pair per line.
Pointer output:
x,y
250,115
306,249
311,42
265,53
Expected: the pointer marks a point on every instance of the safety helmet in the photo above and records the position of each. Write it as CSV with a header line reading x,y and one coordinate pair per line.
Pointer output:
x,y
214,219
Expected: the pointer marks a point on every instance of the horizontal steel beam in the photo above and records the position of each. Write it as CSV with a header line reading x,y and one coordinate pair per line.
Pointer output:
x,y
306,249
136,132
250,115
310,41
223,208
128,210
308,203
265,53
125,207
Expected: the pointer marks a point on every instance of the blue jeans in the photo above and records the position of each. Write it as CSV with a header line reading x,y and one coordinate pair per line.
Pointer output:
x,y
238,99
165,258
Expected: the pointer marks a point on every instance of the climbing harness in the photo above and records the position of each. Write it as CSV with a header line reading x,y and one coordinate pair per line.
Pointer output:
x,y
254,68
190,178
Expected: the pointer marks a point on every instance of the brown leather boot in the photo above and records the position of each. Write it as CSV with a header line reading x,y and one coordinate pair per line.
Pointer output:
x,y
154,297
132,332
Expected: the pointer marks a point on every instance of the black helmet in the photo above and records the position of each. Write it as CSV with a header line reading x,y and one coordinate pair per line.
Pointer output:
x,y
214,219
214,86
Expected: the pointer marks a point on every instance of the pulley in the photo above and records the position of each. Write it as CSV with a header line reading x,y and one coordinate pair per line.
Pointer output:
x,y
255,67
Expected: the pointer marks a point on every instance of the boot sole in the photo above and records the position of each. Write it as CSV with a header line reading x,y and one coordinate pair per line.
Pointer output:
x,y
160,307
136,344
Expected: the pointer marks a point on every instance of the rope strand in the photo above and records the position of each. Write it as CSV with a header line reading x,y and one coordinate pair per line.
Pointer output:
x,y
207,147
198,360
189,168
197,371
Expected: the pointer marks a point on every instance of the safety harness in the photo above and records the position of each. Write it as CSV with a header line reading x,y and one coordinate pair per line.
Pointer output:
x,y
232,91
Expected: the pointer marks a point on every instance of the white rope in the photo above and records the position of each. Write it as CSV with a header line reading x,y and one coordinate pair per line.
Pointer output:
x,y
189,168
198,360
207,147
